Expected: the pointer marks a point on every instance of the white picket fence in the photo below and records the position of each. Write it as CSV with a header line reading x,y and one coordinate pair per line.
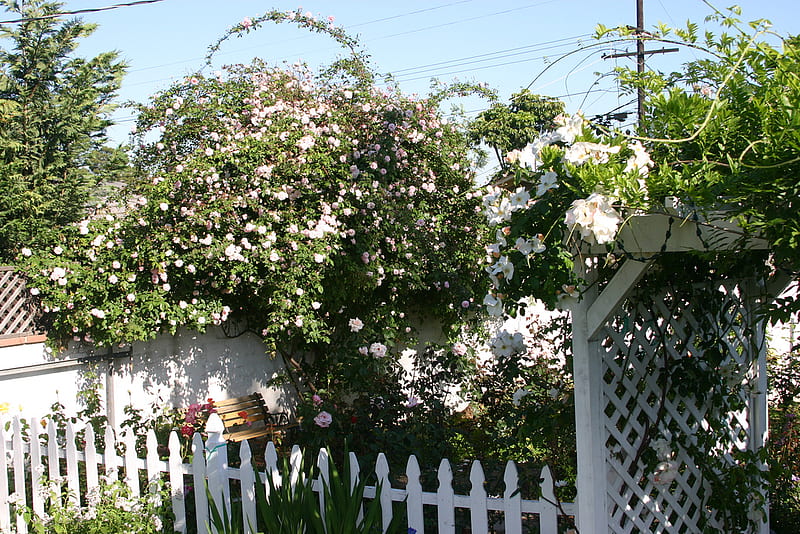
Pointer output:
x,y
26,461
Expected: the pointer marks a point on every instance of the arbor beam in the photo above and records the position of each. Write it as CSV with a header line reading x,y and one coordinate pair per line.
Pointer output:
x,y
663,232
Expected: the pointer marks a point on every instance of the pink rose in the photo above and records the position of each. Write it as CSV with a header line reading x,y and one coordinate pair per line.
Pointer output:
x,y
323,419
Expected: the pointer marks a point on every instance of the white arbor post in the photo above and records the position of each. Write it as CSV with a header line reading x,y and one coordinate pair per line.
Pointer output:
x,y
592,507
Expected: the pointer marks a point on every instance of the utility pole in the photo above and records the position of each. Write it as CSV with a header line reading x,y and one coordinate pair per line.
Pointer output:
x,y
640,55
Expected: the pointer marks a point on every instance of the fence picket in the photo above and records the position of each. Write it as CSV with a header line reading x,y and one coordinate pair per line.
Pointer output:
x,y
37,470
216,450
152,460
53,466
445,501
271,470
131,463
73,477
479,516
323,463
18,461
176,484
248,481
5,512
382,471
548,516
110,458
355,471
512,501
295,462
199,481
90,453
414,496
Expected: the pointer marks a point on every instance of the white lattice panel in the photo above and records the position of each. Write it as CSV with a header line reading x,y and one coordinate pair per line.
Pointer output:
x,y
635,342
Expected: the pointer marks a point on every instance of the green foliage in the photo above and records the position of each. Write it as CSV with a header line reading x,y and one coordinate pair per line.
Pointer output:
x,y
55,113
289,508
294,507
403,413
725,130
524,410
109,509
508,127
345,509
784,411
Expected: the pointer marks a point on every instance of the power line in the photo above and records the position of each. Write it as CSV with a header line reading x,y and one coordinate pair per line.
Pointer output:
x,y
459,71
469,19
79,12
495,55
401,15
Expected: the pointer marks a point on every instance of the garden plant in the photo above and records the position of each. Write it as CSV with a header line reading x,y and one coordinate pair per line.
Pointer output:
x,y
334,217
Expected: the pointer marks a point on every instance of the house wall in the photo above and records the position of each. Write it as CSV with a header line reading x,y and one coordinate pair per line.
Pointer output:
x,y
170,371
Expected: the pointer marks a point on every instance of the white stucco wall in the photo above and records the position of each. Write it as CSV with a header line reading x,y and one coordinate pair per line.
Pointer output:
x,y
170,371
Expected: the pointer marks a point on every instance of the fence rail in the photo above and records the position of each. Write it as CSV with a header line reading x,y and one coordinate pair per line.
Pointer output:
x,y
26,460
18,315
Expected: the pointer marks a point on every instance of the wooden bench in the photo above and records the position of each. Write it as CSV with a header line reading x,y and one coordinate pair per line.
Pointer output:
x,y
248,418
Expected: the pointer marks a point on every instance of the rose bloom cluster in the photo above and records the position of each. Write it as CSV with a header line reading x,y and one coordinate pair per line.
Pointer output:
x,y
543,209
299,207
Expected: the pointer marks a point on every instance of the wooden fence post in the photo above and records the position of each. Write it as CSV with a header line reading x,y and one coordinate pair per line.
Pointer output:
x,y
177,491
512,501
73,477
414,496
444,499
19,469
5,515
110,458
548,515
479,516
217,465
323,463
248,484
90,452
37,470
272,470
382,471
199,481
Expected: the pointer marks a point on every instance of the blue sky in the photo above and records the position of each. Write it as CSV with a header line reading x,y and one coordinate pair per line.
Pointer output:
x,y
505,43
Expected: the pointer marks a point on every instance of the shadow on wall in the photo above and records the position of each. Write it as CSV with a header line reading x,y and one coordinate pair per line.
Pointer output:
x,y
169,371
191,367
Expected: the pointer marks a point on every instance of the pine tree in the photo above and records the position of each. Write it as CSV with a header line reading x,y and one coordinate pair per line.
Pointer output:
x,y
54,110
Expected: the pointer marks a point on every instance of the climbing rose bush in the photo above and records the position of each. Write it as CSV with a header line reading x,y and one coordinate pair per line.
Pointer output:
x,y
322,212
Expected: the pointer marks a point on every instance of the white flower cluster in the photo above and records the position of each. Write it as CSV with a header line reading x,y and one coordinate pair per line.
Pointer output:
x,y
505,344
594,216
568,129
498,205
667,469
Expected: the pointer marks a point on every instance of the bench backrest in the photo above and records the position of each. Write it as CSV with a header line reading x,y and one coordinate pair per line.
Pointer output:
x,y
244,417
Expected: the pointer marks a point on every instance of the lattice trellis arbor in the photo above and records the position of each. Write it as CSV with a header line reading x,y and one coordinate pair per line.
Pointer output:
x,y
627,335
18,314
